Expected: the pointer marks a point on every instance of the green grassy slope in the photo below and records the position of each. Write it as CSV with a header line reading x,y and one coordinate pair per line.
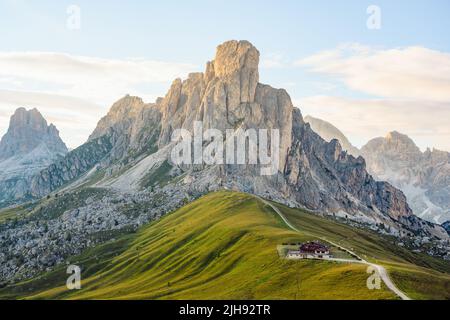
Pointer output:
x,y
417,274
222,246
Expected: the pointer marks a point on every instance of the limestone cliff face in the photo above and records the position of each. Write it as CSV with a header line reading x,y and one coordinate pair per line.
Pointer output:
x,y
313,173
228,95
423,176
29,146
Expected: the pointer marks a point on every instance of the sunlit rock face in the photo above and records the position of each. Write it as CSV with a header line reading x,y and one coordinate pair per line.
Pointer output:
x,y
228,95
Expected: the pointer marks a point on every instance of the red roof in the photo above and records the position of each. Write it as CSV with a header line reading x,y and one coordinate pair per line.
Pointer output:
x,y
313,247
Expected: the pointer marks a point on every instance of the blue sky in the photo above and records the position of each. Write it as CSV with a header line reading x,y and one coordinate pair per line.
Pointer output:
x,y
185,34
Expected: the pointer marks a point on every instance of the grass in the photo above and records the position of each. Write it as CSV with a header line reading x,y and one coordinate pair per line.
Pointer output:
x,y
221,246
418,275
366,243
10,214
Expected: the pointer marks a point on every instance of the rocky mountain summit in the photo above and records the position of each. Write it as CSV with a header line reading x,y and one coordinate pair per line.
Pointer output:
x,y
29,146
423,176
128,160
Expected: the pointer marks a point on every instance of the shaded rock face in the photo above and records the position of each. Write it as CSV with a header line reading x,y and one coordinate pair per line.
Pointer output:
x,y
135,138
72,166
327,179
423,176
29,146
446,226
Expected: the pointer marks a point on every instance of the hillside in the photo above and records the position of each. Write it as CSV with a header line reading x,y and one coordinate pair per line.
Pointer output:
x,y
224,246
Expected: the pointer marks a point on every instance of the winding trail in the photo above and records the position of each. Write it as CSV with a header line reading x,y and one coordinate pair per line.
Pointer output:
x,y
380,269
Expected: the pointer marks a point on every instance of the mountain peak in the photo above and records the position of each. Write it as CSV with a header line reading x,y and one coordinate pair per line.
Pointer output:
x,y
23,118
234,56
229,96
395,135
125,108
27,130
402,142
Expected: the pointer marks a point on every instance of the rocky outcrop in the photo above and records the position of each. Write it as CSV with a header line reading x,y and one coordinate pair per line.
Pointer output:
x,y
29,146
423,176
329,132
133,125
313,173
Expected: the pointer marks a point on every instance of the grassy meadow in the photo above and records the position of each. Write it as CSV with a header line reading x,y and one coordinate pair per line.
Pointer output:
x,y
224,246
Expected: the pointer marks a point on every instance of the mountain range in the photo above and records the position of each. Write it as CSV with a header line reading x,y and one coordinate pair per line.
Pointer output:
x,y
424,177
123,176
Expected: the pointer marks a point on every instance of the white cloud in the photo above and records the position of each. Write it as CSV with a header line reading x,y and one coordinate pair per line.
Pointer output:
x,y
74,92
403,73
411,86
427,123
94,79
75,118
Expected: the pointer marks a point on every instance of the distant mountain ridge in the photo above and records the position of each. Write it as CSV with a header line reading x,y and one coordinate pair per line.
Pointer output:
x,y
424,177
329,132
29,146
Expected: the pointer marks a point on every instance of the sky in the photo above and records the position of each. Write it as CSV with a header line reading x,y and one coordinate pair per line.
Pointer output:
x,y
368,67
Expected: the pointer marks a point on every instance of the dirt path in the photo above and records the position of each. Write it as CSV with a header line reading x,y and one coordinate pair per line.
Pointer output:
x,y
380,269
